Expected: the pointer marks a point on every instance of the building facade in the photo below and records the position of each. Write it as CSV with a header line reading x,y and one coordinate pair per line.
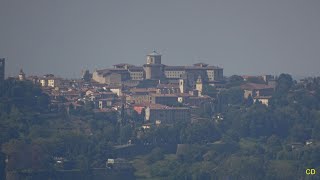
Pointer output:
x,y
164,114
155,70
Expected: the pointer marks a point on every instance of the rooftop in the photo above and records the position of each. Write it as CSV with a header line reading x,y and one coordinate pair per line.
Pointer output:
x,y
254,86
154,53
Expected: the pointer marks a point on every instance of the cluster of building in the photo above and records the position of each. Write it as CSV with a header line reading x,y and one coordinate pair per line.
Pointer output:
x,y
163,93
259,88
154,70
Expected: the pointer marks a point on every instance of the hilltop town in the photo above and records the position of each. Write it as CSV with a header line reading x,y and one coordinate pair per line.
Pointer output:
x,y
158,121
164,93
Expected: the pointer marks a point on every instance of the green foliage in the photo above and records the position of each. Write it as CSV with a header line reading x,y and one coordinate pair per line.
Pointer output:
x,y
234,81
199,133
248,140
209,90
156,154
125,134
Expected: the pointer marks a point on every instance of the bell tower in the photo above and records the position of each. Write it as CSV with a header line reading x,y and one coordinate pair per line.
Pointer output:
x,y
154,69
22,75
182,86
199,85
2,69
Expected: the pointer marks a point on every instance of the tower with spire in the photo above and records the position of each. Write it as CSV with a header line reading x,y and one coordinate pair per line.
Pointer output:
x,y
199,85
22,75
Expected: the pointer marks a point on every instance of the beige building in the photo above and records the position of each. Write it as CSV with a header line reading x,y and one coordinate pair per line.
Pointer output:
x,y
165,99
140,95
256,90
208,73
137,73
54,82
104,103
116,90
111,76
199,86
164,114
49,80
168,89
259,92
263,99
138,98
155,70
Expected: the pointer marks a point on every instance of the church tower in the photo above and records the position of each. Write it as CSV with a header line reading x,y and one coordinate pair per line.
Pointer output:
x,y
182,85
154,69
22,75
199,85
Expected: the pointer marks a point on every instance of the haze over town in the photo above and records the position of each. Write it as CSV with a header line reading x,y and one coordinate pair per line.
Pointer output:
x,y
247,37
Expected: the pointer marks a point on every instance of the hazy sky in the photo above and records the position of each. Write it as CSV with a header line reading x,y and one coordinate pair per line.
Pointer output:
x,y
242,36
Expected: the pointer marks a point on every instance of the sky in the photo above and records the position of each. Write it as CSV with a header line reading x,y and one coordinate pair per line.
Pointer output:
x,y
248,37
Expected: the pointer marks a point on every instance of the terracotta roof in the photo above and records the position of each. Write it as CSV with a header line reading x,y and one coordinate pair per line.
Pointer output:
x,y
254,86
142,105
174,68
132,69
164,95
109,71
167,86
164,107
143,90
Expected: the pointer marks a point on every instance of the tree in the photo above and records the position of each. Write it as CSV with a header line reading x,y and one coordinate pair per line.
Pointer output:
x,y
125,133
156,154
235,80
209,90
200,133
284,83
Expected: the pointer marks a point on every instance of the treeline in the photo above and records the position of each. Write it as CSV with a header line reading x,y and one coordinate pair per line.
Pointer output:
x,y
247,140
233,139
32,138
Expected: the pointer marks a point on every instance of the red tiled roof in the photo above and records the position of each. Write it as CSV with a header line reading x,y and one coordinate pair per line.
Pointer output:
x,y
167,86
254,86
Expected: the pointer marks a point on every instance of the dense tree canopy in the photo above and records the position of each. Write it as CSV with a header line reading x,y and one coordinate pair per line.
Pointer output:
x,y
232,139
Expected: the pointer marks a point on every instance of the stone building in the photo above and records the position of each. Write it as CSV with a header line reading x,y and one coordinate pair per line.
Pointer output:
x,y
259,92
111,76
137,73
168,88
155,70
49,80
262,99
156,113
140,95
254,90
165,99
